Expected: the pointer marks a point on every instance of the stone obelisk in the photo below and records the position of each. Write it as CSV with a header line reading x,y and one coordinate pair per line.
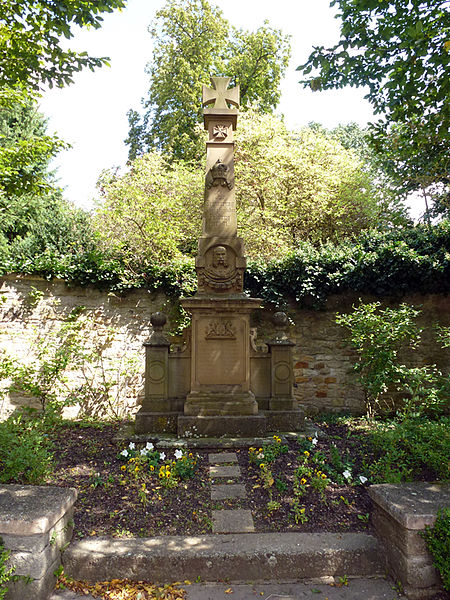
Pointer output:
x,y
220,393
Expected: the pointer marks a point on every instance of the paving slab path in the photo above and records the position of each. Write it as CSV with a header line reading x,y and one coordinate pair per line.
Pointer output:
x,y
223,465
357,589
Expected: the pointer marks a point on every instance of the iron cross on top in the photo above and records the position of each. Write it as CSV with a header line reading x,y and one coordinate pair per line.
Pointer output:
x,y
220,95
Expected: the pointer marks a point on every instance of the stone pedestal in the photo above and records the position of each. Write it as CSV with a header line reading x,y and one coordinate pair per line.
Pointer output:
x,y
220,359
36,524
401,512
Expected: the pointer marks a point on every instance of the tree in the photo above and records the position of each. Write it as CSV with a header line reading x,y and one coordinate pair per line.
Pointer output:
x,y
192,41
25,154
152,212
400,51
33,215
290,187
302,185
30,40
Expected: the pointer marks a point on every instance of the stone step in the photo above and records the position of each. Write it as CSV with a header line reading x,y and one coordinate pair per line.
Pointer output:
x,y
233,557
227,491
238,520
223,471
220,458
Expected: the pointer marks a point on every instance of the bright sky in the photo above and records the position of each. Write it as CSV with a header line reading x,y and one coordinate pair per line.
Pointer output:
x,y
91,113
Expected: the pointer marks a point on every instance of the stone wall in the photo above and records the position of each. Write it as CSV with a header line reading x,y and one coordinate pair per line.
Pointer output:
x,y
117,325
36,524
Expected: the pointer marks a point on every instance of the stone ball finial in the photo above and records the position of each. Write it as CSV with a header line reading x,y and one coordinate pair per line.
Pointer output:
x,y
280,319
281,322
158,320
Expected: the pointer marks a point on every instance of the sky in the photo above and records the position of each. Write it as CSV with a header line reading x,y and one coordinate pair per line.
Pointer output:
x,y
90,114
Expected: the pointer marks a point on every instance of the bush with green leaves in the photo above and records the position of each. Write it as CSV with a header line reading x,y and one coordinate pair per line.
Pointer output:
x,y
438,543
391,263
6,573
378,335
409,449
24,450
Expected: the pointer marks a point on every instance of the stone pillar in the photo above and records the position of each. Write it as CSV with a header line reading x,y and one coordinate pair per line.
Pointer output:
x,y
155,414
220,262
282,374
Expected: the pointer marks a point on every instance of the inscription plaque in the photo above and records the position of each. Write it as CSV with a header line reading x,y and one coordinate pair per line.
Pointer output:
x,y
220,360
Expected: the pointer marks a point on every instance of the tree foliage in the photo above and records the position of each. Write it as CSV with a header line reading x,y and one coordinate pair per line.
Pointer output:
x,y
25,154
151,212
191,42
400,51
302,185
31,52
291,187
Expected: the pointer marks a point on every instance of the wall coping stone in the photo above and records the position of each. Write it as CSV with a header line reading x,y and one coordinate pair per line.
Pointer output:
x,y
413,505
30,510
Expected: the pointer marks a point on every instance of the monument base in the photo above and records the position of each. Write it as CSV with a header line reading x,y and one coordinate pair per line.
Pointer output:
x,y
222,426
156,422
285,420
217,404
233,426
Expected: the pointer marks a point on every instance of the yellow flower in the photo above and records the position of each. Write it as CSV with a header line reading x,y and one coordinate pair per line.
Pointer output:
x,y
260,450
310,439
324,476
262,466
306,453
303,481
136,469
152,468
302,510
123,467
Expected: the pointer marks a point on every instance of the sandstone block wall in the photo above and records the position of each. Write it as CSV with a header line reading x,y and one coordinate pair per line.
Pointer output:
x,y
36,524
31,307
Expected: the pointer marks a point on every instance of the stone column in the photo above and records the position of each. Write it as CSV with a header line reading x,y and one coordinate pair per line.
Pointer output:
x,y
220,262
220,398
155,412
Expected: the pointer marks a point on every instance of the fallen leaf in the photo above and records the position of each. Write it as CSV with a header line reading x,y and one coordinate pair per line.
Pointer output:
x,y
229,591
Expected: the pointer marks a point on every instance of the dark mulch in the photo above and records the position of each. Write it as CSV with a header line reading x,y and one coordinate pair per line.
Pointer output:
x,y
109,503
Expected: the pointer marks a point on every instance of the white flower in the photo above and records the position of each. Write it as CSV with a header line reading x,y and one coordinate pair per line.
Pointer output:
x,y
362,479
260,455
143,452
124,453
162,455
131,446
149,446
314,441
178,454
347,474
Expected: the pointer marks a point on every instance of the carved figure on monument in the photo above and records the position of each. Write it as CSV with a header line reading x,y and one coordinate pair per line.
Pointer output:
x,y
220,330
219,175
220,272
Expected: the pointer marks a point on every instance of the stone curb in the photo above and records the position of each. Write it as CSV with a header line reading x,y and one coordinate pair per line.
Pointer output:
x,y
260,556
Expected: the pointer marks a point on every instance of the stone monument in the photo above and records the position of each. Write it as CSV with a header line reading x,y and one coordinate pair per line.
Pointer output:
x,y
221,382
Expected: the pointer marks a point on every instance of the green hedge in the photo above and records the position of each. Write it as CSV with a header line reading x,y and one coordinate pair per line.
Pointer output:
x,y
392,263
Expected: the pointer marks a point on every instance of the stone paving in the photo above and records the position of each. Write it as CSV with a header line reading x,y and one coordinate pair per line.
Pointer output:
x,y
224,465
357,589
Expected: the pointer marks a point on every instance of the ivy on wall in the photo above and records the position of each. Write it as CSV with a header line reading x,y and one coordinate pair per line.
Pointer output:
x,y
392,263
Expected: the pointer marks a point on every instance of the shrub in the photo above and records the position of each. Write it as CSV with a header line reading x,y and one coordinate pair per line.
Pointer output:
x,y
6,574
24,451
378,335
438,543
410,447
